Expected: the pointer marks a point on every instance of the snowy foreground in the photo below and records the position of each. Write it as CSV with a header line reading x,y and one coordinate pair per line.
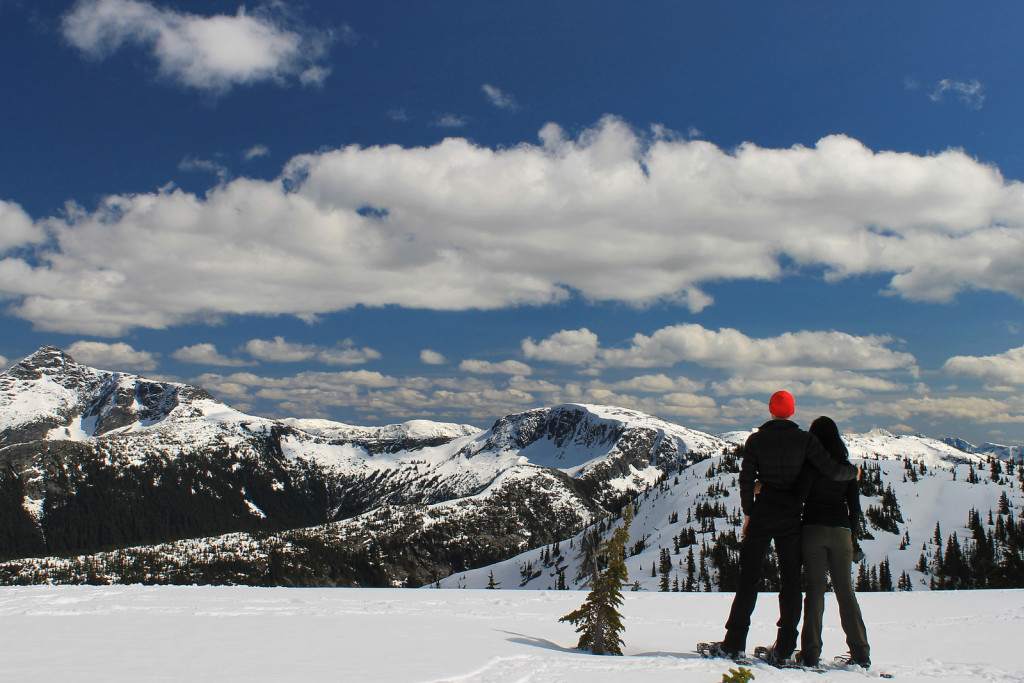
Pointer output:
x,y
135,633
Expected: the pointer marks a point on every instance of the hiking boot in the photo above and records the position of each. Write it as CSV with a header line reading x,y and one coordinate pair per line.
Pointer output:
x,y
719,649
775,657
806,660
858,660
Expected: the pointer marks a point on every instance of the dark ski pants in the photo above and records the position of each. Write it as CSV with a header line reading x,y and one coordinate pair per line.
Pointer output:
x,y
829,548
763,529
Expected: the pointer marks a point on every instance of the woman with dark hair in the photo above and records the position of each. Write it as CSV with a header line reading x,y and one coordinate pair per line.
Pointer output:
x,y
831,514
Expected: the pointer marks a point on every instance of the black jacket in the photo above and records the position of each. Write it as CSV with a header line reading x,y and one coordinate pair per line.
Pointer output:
x,y
776,454
827,502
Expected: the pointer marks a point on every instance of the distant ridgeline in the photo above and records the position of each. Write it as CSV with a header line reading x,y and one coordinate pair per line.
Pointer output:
x,y
107,477
108,470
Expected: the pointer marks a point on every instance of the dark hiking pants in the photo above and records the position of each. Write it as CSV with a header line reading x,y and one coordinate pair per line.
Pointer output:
x,y
830,549
782,525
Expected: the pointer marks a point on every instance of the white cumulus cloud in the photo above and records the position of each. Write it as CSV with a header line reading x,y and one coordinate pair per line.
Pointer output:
x,y
207,354
280,351
660,383
429,357
116,356
17,229
976,409
346,353
567,346
212,53
483,367
611,216
999,369
725,348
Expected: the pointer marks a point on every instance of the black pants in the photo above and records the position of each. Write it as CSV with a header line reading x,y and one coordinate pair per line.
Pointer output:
x,y
768,523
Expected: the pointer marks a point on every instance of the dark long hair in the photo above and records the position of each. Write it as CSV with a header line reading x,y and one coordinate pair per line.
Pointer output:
x,y
828,434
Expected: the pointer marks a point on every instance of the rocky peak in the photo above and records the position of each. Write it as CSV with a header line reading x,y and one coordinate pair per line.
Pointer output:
x,y
48,360
105,400
562,425
574,436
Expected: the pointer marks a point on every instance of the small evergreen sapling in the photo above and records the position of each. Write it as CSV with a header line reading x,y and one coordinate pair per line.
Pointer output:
x,y
598,620
742,676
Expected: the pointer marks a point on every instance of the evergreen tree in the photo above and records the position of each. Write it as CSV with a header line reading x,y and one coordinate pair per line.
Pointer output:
x,y
954,565
885,576
491,583
589,566
665,567
995,470
598,620
863,583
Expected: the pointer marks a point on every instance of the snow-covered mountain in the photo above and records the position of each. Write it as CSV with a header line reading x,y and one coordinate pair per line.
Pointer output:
x,y
387,439
996,450
92,459
191,490
48,396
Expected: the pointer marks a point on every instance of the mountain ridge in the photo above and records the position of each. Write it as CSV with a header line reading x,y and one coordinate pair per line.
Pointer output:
x,y
95,459
111,465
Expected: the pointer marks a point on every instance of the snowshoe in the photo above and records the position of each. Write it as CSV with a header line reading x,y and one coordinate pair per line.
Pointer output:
x,y
768,656
849,661
718,651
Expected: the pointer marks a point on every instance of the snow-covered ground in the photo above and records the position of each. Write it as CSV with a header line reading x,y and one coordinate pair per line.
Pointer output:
x,y
135,633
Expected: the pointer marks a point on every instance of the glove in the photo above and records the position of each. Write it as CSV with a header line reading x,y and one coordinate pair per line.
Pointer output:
x,y
858,553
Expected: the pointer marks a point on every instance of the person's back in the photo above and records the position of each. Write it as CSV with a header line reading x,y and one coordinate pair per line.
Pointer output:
x,y
775,455
831,503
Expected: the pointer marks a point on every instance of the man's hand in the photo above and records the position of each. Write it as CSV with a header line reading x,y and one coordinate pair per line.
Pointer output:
x,y
757,487
746,523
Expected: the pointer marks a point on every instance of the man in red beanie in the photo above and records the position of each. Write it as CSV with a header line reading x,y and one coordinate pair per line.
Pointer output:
x,y
773,455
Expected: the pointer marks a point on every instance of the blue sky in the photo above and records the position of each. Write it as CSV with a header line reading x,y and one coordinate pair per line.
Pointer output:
x,y
374,212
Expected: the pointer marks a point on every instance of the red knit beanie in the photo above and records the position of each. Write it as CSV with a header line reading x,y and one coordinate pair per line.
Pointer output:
x,y
782,404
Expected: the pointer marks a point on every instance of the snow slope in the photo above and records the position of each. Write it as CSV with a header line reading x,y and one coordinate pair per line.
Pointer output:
x,y
942,494
135,633
421,430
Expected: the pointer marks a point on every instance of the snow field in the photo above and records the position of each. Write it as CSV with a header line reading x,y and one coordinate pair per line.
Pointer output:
x,y
135,633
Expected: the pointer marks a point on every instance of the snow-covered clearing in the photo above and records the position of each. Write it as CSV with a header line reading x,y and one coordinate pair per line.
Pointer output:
x,y
135,633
